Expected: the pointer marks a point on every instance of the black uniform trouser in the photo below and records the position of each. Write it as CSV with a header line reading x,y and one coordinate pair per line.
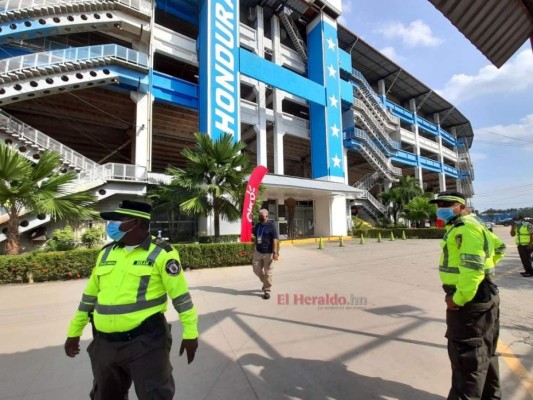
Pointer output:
x,y
143,360
525,257
472,334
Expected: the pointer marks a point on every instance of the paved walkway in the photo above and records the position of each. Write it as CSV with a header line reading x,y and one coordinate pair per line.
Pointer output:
x,y
388,345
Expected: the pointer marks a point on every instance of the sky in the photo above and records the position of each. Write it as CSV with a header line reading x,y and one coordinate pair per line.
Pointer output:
x,y
498,102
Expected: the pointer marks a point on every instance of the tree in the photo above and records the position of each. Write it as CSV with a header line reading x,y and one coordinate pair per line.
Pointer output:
x,y
93,236
420,210
392,199
63,240
37,188
211,181
401,193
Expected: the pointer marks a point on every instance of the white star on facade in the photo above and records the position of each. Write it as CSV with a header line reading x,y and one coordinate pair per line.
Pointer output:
x,y
336,161
332,71
331,44
335,131
333,101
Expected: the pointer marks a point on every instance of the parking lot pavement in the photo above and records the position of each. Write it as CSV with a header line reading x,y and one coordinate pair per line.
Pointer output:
x,y
386,342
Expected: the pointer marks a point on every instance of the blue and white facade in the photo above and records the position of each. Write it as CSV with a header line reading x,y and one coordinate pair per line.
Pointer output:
x,y
118,88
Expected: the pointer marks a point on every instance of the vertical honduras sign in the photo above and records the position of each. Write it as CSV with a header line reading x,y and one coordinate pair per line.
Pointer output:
x,y
218,44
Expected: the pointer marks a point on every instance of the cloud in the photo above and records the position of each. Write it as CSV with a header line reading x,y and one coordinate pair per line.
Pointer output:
x,y
477,156
346,9
513,135
391,53
516,75
416,34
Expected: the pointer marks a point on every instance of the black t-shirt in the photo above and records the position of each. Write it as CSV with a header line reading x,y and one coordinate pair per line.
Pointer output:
x,y
265,233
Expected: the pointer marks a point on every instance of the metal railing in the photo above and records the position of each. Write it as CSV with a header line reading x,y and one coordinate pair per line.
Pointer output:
x,y
374,98
377,153
26,133
115,171
375,202
12,5
367,181
88,169
377,127
74,54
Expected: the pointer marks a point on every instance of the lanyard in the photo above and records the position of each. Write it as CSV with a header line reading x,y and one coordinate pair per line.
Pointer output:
x,y
260,232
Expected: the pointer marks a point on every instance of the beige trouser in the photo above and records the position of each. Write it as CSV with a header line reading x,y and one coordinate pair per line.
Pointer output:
x,y
262,265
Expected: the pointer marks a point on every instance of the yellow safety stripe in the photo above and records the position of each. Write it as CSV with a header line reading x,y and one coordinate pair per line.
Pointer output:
x,y
130,308
134,213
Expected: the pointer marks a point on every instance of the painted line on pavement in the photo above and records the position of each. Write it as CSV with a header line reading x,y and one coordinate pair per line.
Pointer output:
x,y
516,367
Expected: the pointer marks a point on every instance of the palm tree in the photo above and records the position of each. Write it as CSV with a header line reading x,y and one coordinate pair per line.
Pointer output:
x,y
392,198
400,194
37,188
420,210
211,180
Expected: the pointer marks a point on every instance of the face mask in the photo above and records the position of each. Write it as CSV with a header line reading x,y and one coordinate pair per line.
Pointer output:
x,y
113,230
446,213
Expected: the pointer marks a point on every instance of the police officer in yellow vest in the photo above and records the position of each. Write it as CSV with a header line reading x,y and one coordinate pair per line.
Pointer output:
x,y
523,233
125,299
469,254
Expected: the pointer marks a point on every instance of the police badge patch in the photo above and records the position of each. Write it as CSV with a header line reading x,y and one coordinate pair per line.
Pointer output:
x,y
459,240
173,267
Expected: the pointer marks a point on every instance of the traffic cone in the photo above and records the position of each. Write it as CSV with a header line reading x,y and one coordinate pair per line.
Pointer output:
x,y
341,241
403,235
379,237
320,244
392,236
362,241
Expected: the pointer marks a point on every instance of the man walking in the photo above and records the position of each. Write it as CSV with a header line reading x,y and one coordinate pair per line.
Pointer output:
x,y
522,231
266,250
469,254
125,299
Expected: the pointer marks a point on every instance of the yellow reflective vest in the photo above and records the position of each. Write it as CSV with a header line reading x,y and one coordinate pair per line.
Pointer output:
x,y
523,231
126,287
469,253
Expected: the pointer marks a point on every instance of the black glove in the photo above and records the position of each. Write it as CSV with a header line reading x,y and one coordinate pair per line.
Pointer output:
x,y
190,345
72,346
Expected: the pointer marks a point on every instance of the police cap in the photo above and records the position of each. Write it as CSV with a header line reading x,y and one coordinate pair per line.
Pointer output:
x,y
449,196
128,208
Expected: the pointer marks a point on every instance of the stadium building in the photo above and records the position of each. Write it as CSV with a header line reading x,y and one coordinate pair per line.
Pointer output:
x,y
118,87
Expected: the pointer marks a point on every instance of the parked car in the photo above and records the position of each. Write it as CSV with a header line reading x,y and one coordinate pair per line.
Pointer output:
x,y
489,225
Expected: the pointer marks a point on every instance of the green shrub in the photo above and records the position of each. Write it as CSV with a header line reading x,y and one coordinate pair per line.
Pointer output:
x,y
93,237
62,240
221,239
410,233
77,264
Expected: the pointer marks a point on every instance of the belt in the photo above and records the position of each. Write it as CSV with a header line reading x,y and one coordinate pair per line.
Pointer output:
x,y
152,324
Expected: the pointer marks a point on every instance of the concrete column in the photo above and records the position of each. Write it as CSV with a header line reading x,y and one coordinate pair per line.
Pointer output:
x,y
453,131
260,93
330,216
142,142
381,88
442,175
279,133
414,128
278,96
260,128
